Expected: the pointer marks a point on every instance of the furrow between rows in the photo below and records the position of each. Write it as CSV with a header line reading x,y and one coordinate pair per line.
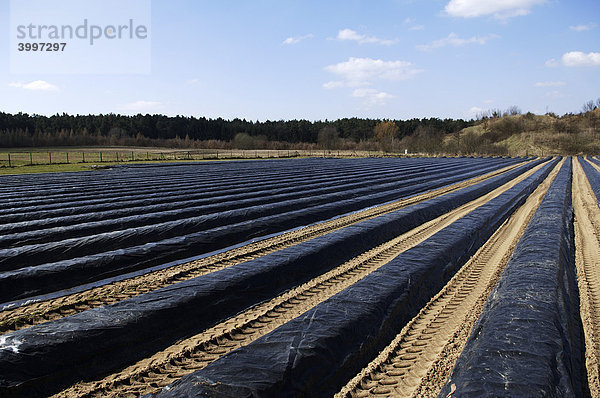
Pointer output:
x,y
165,367
421,357
39,312
587,261
317,352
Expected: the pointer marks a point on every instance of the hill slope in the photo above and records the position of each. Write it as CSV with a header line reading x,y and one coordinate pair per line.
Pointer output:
x,y
530,134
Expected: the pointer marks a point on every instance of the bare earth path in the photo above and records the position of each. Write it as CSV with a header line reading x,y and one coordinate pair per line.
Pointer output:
x,y
198,351
587,260
420,359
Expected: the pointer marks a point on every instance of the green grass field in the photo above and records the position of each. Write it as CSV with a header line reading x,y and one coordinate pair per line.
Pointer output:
x,y
49,160
71,159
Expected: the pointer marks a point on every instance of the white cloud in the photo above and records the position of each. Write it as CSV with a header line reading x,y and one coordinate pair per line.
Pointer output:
x,y
362,71
555,94
333,84
550,84
551,63
581,28
297,39
141,106
500,9
454,40
349,34
352,35
37,85
578,58
371,96
417,27
474,112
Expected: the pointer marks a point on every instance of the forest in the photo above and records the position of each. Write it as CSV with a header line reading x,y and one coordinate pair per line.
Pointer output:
x,y
25,130
494,132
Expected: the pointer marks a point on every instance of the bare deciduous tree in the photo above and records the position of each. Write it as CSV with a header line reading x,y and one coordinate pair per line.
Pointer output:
x,y
385,133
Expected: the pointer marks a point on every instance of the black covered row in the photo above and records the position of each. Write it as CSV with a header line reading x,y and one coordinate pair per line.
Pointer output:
x,y
86,345
135,202
122,189
528,340
135,181
152,226
315,354
593,159
592,175
165,194
76,261
94,218
138,176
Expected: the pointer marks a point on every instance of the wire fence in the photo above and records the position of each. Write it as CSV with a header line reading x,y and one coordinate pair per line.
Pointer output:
x,y
31,158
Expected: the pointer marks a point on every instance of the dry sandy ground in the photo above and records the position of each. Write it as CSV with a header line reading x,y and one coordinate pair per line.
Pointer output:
x,y
198,351
587,260
38,312
421,357
419,361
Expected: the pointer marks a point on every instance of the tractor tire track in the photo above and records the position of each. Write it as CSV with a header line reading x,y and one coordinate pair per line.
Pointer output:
x,y
420,359
167,366
39,312
587,262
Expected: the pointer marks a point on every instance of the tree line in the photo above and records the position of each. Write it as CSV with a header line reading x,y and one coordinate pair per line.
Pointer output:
x,y
24,130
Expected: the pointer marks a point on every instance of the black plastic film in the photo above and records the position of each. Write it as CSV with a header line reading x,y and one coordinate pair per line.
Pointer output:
x,y
317,353
56,353
528,340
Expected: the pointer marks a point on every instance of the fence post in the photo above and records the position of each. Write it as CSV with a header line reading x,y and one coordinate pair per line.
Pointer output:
x,y
50,157
100,156
132,158
117,153
147,155
30,159
67,157
82,157
9,165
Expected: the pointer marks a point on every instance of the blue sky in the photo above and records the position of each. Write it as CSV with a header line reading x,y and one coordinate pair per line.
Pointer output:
x,y
316,60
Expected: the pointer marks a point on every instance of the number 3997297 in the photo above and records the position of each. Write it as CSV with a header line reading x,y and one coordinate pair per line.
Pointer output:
x,y
41,46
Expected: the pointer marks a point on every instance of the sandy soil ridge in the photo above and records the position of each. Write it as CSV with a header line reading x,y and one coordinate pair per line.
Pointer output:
x,y
198,351
420,359
587,261
39,312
